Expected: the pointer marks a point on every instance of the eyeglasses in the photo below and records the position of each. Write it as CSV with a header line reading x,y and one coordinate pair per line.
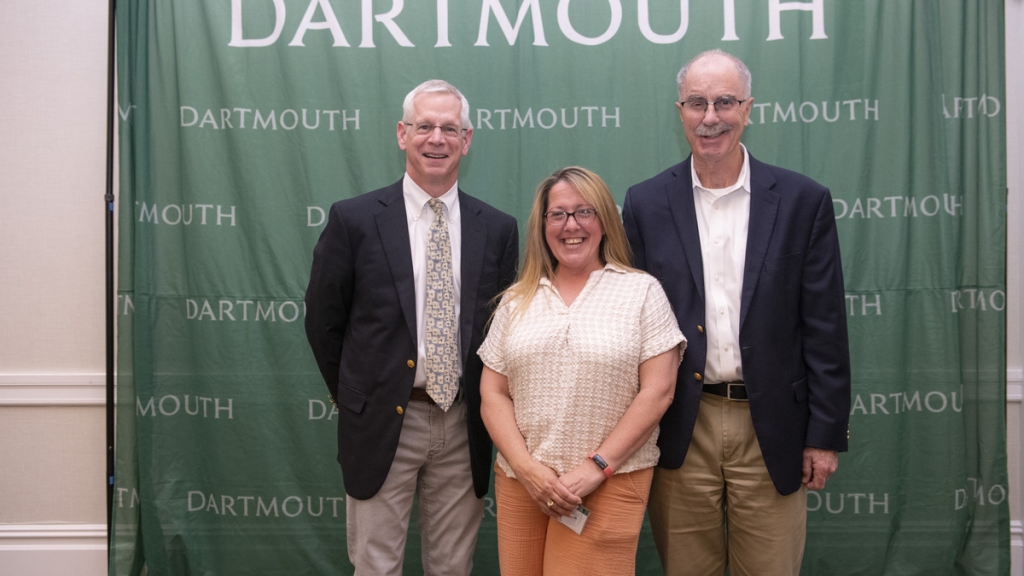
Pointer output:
x,y
723,104
559,218
424,129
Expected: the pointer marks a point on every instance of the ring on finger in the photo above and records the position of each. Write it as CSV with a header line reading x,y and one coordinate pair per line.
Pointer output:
x,y
551,503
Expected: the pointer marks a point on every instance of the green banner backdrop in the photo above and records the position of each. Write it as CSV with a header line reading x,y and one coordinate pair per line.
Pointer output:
x,y
241,121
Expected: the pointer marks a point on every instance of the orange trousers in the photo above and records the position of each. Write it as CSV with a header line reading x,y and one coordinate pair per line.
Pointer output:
x,y
531,544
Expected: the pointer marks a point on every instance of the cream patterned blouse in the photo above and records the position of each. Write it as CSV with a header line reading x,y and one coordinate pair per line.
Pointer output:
x,y
574,370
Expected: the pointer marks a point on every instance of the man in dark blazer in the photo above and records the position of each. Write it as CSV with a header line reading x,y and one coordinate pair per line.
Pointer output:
x,y
409,411
748,255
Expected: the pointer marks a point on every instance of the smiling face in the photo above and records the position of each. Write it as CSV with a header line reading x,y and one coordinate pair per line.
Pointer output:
x,y
577,248
432,160
714,138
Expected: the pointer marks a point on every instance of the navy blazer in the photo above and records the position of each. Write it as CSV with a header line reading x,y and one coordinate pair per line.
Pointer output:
x,y
793,340
361,324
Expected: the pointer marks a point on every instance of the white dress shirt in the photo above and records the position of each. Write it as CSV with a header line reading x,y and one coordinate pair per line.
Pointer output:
x,y
722,218
420,216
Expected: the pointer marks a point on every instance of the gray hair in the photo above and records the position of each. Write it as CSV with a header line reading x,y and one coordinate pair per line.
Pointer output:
x,y
432,86
740,67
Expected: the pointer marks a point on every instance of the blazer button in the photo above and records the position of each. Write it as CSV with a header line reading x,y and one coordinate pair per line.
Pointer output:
x,y
697,376
700,328
399,410
410,364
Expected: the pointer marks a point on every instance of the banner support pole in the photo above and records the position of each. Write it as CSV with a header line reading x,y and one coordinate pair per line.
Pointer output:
x,y
108,201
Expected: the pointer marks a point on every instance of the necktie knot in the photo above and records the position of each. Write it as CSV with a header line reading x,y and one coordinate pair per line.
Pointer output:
x,y
436,204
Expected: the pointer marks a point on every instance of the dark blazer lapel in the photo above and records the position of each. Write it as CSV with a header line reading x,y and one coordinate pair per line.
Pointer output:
x,y
764,205
679,194
474,240
393,227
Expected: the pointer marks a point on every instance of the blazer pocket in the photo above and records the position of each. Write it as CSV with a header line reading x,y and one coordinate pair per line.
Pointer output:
x,y
488,278
784,261
351,398
800,390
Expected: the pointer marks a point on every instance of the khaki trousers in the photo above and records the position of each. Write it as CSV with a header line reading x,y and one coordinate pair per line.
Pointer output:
x,y
532,544
432,462
721,508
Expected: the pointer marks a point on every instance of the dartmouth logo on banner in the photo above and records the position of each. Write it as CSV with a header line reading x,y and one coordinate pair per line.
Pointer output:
x,y
242,121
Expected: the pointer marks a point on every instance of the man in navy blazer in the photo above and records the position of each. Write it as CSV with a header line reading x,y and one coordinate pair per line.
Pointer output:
x,y
365,309
748,255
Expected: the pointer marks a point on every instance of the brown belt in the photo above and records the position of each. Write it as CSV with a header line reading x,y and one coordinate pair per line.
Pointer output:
x,y
420,395
731,390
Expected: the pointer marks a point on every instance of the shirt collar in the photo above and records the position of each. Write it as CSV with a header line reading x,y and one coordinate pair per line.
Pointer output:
x,y
416,198
742,182
609,267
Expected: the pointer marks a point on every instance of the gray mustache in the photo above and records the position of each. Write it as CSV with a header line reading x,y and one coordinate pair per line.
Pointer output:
x,y
714,130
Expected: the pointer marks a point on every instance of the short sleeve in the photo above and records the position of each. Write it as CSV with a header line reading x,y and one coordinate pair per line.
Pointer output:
x,y
659,331
492,351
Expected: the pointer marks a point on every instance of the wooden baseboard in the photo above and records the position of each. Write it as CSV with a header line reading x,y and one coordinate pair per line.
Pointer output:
x,y
46,549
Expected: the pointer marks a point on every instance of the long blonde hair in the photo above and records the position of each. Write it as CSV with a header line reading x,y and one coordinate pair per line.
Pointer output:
x,y
539,261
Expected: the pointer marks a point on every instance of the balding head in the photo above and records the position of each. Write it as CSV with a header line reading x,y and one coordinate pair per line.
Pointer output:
x,y
741,69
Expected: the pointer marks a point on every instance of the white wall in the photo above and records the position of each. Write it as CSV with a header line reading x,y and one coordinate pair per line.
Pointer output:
x,y
1015,264
52,158
52,453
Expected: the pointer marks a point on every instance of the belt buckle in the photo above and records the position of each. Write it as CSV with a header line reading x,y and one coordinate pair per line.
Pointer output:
x,y
728,390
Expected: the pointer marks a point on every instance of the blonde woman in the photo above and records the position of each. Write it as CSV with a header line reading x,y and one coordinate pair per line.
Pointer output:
x,y
580,365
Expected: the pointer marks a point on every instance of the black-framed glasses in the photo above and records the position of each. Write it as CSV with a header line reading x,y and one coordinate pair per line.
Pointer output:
x,y
424,129
559,217
723,104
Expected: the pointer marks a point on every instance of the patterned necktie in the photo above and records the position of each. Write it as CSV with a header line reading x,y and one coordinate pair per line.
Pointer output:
x,y
439,314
